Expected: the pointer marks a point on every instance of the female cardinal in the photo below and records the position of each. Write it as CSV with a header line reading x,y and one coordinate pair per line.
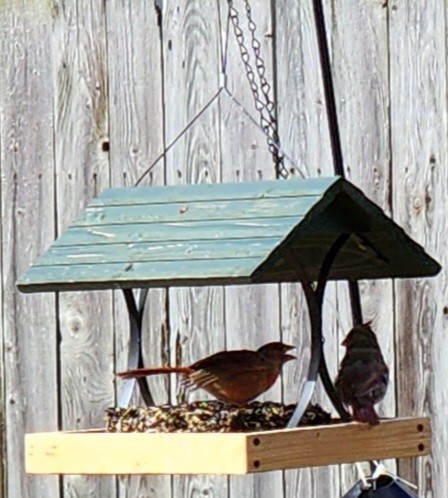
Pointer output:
x,y
235,377
363,376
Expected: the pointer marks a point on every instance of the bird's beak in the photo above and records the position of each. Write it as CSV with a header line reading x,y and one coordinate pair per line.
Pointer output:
x,y
288,347
289,357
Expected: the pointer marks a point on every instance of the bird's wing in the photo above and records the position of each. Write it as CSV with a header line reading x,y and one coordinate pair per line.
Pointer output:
x,y
230,361
204,378
367,379
234,387
236,376
232,365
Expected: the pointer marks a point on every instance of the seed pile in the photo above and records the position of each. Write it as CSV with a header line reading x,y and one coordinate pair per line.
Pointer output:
x,y
209,416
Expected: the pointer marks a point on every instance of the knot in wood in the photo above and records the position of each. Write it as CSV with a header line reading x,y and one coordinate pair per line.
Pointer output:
x,y
417,204
75,324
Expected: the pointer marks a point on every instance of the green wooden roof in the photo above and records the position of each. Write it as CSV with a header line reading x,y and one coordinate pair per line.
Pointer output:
x,y
267,231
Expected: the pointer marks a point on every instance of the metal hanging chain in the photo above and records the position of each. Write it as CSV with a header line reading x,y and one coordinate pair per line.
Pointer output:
x,y
261,92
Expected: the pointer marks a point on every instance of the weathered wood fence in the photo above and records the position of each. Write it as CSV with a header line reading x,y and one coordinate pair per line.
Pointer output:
x,y
92,91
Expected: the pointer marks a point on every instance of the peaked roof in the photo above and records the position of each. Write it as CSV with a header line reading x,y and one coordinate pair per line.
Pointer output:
x,y
235,233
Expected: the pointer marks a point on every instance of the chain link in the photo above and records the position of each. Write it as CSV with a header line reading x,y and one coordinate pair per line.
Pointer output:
x,y
261,92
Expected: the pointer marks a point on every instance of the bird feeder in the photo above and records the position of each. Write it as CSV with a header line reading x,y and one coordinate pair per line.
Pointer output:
x,y
307,231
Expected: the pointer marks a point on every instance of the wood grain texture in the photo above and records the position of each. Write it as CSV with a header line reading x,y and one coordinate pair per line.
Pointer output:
x,y
419,157
180,231
95,452
218,210
312,446
82,171
27,211
3,469
191,57
359,33
136,138
300,99
134,60
268,189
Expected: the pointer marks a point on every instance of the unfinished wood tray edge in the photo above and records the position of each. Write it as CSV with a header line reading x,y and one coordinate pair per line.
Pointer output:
x,y
102,453
98,452
343,443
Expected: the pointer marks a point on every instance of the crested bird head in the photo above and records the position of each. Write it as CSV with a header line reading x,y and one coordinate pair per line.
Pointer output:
x,y
276,351
362,337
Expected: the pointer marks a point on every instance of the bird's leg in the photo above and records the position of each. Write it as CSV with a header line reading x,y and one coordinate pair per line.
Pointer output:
x,y
185,387
182,393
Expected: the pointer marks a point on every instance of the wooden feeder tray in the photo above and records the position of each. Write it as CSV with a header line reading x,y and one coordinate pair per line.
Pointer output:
x,y
101,452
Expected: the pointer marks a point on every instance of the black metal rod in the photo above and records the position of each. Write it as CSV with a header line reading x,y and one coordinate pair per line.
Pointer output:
x,y
327,263
330,99
335,136
142,381
355,302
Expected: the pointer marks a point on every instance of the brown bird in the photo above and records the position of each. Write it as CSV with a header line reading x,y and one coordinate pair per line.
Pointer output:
x,y
363,375
235,377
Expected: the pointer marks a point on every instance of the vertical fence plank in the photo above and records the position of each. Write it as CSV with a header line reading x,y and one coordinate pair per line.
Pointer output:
x,y
191,56
301,105
136,139
360,51
252,312
82,171
3,470
419,153
27,206
305,137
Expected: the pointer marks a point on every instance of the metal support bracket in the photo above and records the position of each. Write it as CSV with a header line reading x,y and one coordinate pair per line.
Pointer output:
x,y
318,365
135,357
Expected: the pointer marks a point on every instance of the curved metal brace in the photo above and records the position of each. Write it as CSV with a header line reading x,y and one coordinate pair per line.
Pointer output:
x,y
320,291
318,364
316,355
135,358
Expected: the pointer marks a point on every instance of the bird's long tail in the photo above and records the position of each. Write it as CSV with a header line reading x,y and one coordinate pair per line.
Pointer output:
x,y
143,372
367,415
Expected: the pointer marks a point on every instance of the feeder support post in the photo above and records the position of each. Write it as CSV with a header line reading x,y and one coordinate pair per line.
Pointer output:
x,y
135,357
318,366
